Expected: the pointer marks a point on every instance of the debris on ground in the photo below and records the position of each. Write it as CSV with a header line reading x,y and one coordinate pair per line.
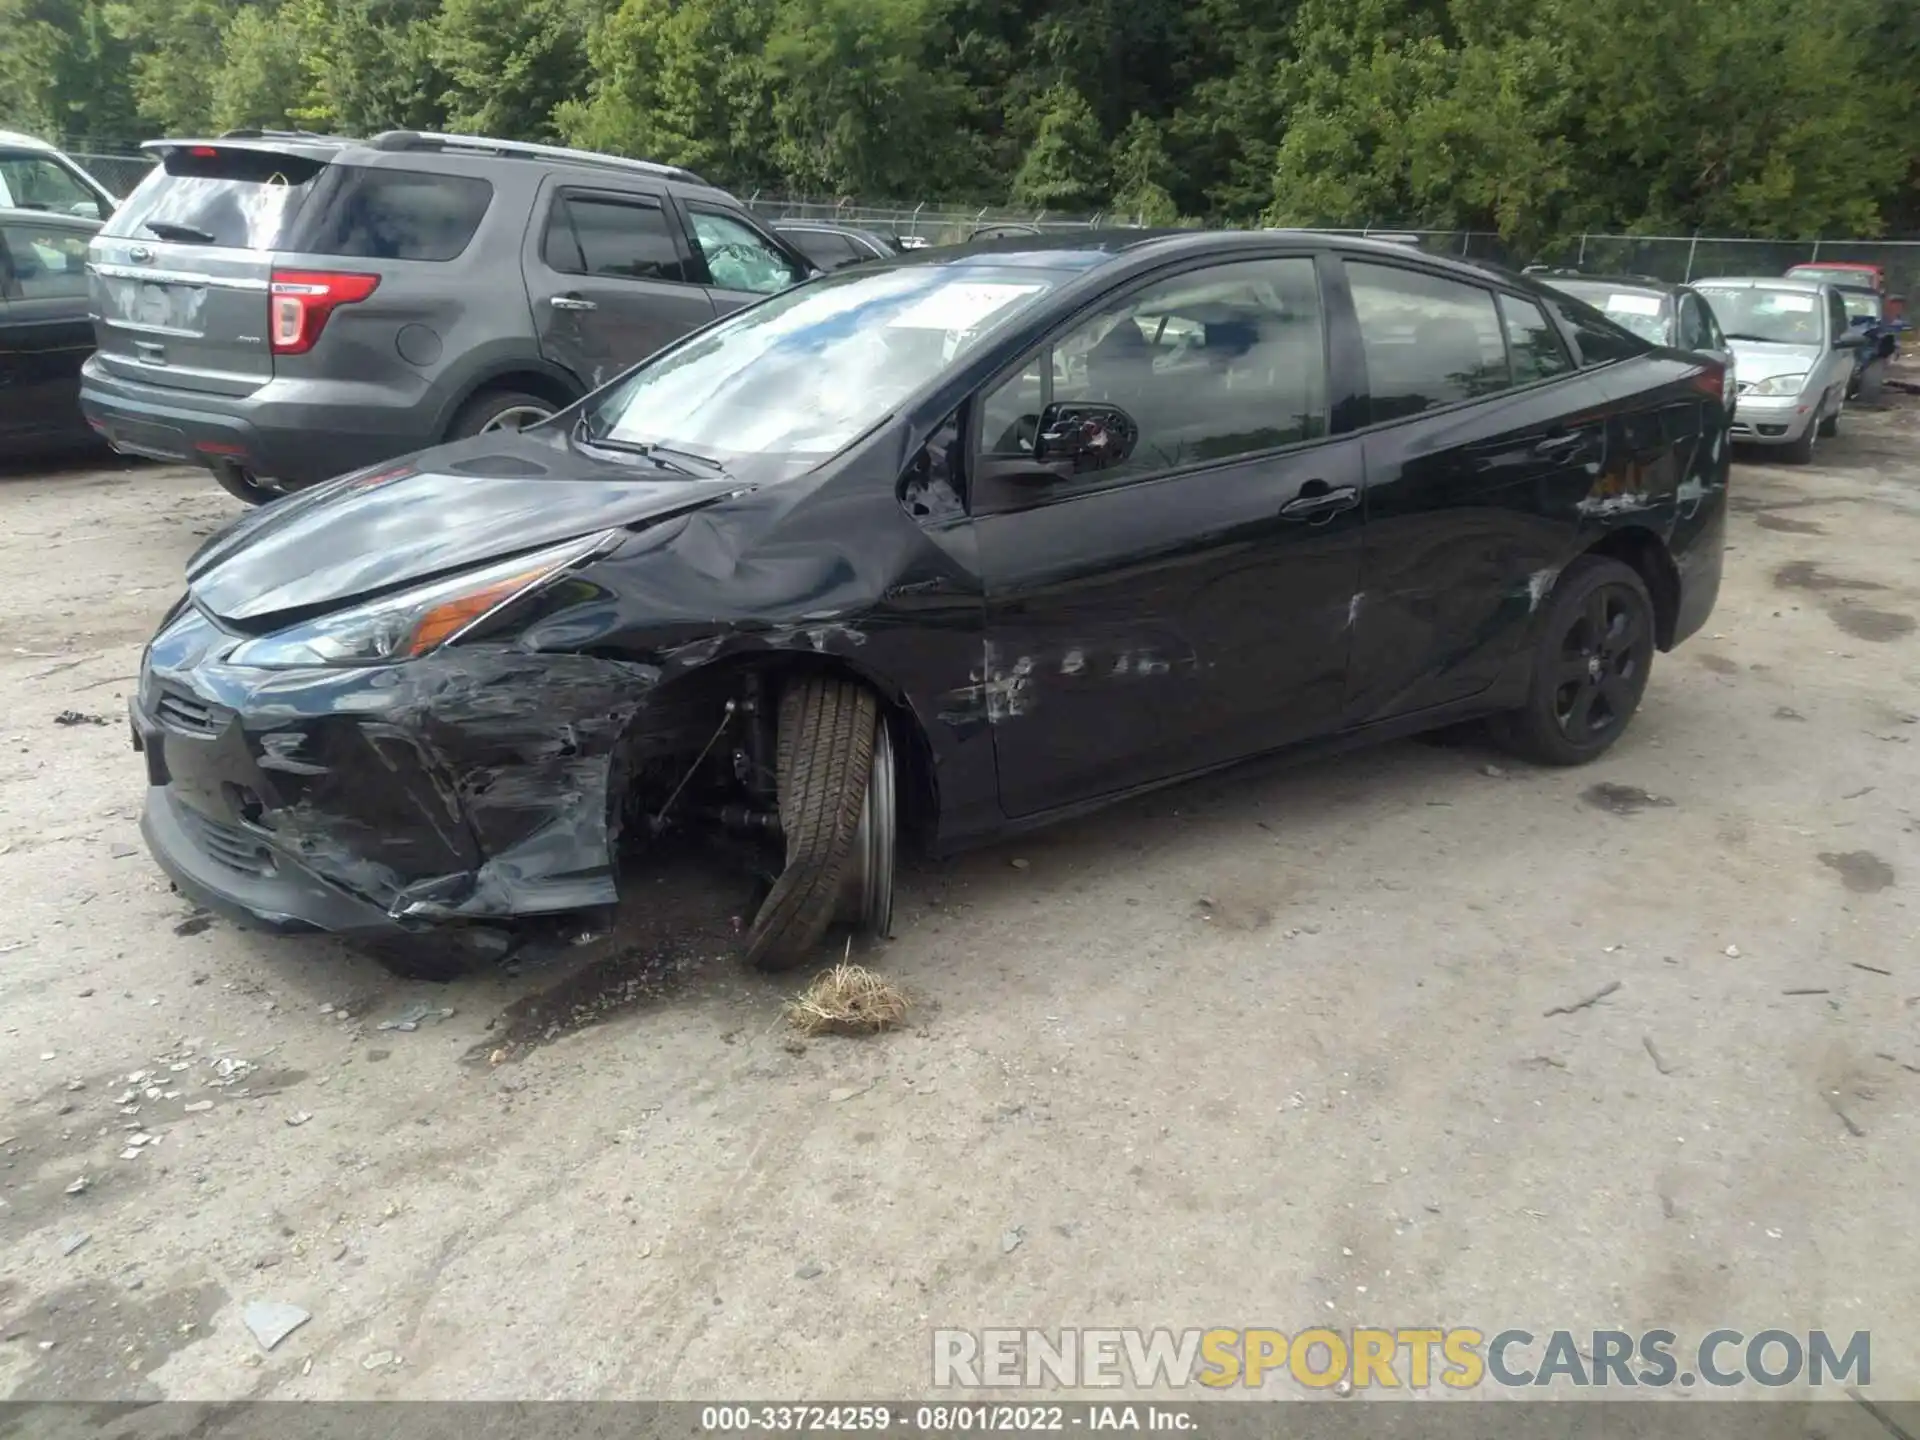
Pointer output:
x,y
299,1117
1870,969
1011,1240
80,717
1658,1062
79,1187
847,1000
194,1107
73,1242
846,1092
1594,999
194,925
812,1270
1806,991
1732,952
271,1321
414,1016
380,1360
1622,799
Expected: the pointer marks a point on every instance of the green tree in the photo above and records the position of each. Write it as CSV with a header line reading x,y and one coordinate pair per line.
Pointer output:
x,y
1066,165
176,45
263,78
1141,174
370,65
510,63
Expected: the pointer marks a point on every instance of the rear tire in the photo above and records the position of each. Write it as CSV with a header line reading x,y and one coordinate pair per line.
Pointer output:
x,y
1591,661
242,486
824,751
499,410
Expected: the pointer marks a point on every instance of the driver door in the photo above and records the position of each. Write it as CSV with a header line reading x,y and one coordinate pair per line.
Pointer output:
x,y
1189,605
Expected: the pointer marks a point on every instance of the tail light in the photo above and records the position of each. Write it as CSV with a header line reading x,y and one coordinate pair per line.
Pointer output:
x,y
1715,380
303,299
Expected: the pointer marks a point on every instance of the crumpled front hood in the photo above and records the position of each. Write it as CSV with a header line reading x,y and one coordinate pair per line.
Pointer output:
x,y
1753,362
443,510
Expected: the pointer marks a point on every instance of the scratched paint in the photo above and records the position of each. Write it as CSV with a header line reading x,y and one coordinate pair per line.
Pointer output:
x,y
1539,584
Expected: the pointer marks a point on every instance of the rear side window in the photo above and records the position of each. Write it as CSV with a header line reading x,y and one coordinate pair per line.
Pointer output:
x,y
1429,341
39,182
238,199
825,248
627,239
370,214
1532,344
1600,341
42,262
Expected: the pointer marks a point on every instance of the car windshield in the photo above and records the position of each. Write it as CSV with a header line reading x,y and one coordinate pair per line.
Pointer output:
x,y
1641,311
799,375
1775,315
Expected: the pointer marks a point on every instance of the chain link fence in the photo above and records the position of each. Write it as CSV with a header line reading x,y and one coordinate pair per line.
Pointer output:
x,y
1665,257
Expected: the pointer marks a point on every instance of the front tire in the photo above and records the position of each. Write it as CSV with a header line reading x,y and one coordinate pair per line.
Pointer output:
x,y
1800,451
829,733
1590,666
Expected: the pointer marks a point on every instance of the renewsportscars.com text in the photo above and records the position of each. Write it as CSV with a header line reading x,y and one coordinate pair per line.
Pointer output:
x,y
1411,1358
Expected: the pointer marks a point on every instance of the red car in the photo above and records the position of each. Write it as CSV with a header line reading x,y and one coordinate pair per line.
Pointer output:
x,y
1854,274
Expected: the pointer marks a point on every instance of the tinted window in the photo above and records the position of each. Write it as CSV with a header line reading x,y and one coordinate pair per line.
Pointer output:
x,y
38,182
1429,341
45,262
392,215
1533,346
738,258
1599,339
619,239
242,199
1215,363
825,248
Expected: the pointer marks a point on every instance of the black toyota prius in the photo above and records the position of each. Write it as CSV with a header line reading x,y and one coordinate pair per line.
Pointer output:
x,y
921,553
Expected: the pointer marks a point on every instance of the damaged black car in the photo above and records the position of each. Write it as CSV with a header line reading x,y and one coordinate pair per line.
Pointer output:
x,y
922,553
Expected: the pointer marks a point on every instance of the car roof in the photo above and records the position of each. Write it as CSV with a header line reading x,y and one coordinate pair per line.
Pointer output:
x,y
1614,282
16,140
1772,282
1091,249
382,149
81,223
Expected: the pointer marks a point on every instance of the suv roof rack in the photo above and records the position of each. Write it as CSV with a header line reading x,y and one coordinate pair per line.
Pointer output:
x,y
526,150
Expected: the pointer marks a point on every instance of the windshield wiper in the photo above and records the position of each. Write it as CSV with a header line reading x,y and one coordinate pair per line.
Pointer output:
x,y
189,234
1763,339
583,431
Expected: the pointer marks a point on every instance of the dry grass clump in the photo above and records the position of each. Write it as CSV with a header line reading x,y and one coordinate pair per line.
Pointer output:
x,y
847,1000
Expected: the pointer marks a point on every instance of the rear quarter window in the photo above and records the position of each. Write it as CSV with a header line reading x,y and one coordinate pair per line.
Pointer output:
x,y
368,214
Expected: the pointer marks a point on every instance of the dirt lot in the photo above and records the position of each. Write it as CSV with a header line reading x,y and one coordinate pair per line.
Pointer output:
x,y
1271,1050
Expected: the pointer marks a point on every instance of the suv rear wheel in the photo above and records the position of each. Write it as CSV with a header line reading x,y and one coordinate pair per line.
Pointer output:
x,y
499,410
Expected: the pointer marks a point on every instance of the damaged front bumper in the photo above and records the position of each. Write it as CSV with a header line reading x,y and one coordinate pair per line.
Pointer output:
x,y
453,793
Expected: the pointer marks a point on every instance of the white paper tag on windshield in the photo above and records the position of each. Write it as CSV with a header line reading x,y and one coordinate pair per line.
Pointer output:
x,y
1794,304
959,307
1634,304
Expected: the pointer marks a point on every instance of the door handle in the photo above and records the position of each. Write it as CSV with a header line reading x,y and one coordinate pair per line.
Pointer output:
x,y
1560,444
1318,502
571,302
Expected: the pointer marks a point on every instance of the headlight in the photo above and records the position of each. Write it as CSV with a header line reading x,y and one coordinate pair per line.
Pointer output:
x,y
1779,385
414,622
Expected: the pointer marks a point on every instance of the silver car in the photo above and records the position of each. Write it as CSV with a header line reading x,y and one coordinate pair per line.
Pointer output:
x,y
1795,352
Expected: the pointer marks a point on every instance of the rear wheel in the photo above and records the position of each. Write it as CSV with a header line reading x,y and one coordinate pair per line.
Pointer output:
x,y
499,410
1590,666
242,486
837,813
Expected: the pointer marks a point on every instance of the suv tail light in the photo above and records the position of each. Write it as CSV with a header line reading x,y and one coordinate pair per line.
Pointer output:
x,y
303,299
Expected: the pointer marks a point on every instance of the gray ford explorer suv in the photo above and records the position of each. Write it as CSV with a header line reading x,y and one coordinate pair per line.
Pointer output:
x,y
283,307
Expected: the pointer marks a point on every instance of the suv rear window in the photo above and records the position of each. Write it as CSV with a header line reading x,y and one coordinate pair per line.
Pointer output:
x,y
248,199
391,214
208,195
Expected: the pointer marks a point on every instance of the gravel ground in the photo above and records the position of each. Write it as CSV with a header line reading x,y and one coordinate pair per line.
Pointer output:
x,y
1275,1049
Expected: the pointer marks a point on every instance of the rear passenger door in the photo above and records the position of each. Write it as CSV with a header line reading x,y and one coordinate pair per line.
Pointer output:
x,y
610,279
45,334
739,263
1482,440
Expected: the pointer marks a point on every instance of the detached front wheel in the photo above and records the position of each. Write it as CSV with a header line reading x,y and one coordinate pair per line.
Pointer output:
x,y
839,817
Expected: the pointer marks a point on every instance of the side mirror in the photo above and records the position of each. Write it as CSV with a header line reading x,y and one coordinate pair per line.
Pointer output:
x,y
1086,436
